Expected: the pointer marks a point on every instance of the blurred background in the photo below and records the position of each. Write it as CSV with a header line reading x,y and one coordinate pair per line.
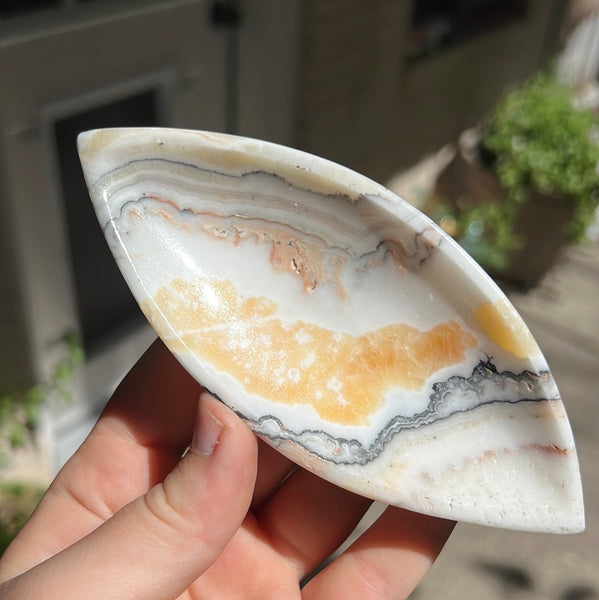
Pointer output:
x,y
409,92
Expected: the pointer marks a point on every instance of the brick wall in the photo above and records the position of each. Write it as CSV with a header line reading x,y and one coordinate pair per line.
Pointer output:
x,y
349,77
362,103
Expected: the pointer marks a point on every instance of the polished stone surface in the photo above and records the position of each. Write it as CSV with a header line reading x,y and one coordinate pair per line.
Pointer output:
x,y
563,314
343,326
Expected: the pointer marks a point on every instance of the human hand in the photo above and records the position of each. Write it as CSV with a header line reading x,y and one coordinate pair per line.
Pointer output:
x,y
128,518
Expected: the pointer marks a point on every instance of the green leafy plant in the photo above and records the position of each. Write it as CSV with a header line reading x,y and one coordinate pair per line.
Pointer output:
x,y
20,405
19,415
485,231
17,502
536,138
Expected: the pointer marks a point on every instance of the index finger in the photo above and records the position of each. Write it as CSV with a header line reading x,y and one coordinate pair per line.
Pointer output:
x,y
156,402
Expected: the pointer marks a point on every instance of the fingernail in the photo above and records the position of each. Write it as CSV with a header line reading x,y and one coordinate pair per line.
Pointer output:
x,y
206,432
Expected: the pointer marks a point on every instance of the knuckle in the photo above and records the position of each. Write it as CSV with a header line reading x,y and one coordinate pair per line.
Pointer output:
x,y
163,508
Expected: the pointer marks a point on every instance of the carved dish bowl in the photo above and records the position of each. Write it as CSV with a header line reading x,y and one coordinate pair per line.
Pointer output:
x,y
342,324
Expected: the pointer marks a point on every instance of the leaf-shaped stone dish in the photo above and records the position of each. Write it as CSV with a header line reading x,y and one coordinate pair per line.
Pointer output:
x,y
347,329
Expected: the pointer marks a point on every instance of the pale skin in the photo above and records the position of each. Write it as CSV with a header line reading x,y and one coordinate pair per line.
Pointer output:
x,y
127,517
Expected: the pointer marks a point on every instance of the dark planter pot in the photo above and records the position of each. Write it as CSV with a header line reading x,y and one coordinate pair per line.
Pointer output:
x,y
541,223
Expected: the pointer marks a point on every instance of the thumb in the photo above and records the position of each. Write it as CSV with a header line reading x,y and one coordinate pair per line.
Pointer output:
x,y
160,543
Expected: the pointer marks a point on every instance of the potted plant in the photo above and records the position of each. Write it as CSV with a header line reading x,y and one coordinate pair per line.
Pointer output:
x,y
524,183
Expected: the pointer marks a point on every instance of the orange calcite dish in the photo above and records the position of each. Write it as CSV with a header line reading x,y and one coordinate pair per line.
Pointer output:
x,y
345,327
